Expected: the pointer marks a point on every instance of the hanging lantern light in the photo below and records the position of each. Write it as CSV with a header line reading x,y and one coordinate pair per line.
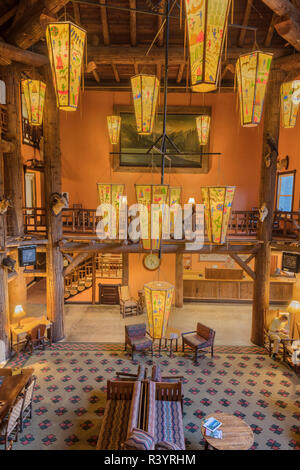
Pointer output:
x,y
146,195
217,209
206,21
289,109
34,95
111,194
65,42
145,90
114,127
252,76
203,127
158,297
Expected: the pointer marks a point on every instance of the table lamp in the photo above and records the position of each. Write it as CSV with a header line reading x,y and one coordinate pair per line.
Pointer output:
x,y
294,307
19,313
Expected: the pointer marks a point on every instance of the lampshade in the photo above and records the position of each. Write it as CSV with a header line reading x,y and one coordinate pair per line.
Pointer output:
x,y
294,307
191,200
114,127
65,42
111,194
217,209
206,22
289,109
34,95
148,194
203,127
145,90
158,297
252,72
19,313
174,198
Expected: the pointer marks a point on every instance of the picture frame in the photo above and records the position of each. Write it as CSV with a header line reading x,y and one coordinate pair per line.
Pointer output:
x,y
178,117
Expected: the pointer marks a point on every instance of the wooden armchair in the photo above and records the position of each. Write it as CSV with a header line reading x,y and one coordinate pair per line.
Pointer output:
x,y
37,338
202,338
128,305
26,411
9,428
136,338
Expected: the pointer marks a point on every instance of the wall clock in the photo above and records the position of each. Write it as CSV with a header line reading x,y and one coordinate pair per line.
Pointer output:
x,y
151,261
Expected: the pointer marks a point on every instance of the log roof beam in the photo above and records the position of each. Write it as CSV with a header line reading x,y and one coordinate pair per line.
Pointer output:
x,y
245,23
12,53
288,23
132,5
104,22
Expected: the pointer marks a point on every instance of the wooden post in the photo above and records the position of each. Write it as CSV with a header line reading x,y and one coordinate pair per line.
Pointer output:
x,y
125,269
179,281
13,163
17,290
52,157
94,280
267,197
4,309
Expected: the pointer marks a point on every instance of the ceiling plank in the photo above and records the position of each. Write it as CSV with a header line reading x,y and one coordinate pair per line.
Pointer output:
x,y
104,22
29,30
288,23
245,23
7,16
132,4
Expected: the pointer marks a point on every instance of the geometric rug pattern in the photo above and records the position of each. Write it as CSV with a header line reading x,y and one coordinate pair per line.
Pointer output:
x,y
70,393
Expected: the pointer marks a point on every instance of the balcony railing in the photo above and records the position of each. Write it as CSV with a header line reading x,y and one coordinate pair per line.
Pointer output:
x,y
84,221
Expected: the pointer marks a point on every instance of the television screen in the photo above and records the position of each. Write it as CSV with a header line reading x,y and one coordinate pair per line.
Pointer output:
x,y
27,255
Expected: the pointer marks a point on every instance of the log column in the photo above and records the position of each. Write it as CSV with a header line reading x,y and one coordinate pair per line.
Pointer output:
x,y
179,281
13,161
125,269
4,308
52,158
267,197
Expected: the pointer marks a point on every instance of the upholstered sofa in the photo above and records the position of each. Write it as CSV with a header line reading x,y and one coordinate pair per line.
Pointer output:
x,y
121,414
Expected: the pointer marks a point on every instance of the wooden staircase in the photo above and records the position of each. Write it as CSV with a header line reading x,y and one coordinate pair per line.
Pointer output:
x,y
81,278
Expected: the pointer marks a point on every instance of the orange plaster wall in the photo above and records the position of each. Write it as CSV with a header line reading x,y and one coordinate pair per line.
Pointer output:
x,y
86,160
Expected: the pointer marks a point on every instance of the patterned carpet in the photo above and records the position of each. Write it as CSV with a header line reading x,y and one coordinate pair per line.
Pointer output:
x,y
69,398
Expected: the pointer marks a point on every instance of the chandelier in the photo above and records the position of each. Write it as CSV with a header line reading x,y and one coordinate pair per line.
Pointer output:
x,y
145,90
203,126
34,95
114,127
289,109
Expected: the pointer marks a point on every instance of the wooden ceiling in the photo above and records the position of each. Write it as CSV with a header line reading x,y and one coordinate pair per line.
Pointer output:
x,y
118,39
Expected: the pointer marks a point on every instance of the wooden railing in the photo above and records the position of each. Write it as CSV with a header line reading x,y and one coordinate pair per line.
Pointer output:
x,y
84,221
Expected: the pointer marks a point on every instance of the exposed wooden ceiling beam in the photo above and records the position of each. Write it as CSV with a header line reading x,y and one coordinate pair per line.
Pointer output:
x,y
92,68
7,51
270,32
132,4
8,15
116,73
159,28
245,23
104,22
29,30
180,73
76,10
288,23
136,69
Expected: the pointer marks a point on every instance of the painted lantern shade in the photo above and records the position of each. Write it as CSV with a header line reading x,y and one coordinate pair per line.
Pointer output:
x,y
217,208
65,42
206,20
203,127
289,109
151,217
34,95
145,89
174,199
158,297
111,194
252,72
114,127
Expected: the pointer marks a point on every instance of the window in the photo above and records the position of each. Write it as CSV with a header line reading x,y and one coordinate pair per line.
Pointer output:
x,y
285,191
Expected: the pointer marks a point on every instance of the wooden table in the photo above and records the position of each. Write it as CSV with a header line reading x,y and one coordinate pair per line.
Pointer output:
x,y
18,335
10,388
237,435
172,335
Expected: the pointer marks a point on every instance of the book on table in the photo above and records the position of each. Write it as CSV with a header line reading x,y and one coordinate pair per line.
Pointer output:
x,y
216,434
212,424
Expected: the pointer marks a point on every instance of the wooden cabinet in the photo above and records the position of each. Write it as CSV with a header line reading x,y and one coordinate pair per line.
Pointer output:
x,y
218,290
109,294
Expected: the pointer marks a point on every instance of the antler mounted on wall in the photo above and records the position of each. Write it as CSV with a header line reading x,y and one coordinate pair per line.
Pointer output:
x,y
5,203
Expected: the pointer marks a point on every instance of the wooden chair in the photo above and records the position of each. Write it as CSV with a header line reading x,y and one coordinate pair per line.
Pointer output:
x,y
37,338
128,305
26,411
136,338
11,425
200,339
